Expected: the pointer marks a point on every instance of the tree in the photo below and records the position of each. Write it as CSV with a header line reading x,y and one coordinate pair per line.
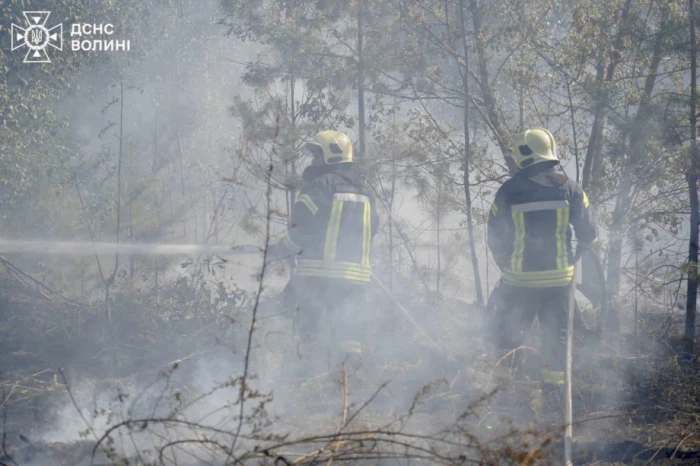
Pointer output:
x,y
693,193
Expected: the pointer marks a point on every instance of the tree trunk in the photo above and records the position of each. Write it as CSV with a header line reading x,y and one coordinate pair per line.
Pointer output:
x,y
629,175
361,79
391,206
291,189
593,165
129,192
293,169
439,215
573,130
467,158
495,121
597,128
109,281
691,303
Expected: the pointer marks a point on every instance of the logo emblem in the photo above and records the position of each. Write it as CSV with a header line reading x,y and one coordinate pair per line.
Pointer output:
x,y
37,37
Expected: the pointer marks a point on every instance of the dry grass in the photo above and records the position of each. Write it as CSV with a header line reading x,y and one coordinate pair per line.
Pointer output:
x,y
414,403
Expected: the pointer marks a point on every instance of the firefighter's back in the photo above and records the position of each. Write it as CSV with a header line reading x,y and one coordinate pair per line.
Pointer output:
x,y
341,247
540,210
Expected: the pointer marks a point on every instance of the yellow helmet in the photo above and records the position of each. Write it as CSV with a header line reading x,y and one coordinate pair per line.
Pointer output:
x,y
334,145
534,146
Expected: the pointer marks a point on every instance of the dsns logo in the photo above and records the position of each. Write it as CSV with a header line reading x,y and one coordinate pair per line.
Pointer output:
x,y
37,37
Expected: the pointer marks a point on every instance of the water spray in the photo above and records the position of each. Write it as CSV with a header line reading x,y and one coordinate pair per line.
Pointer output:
x,y
77,248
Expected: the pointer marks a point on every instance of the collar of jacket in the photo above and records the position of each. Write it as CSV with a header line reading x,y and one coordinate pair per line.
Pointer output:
x,y
314,171
538,168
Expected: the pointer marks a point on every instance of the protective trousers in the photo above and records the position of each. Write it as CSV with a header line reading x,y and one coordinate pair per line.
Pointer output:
x,y
329,315
514,310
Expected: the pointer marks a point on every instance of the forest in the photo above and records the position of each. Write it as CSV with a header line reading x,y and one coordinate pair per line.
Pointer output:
x,y
142,321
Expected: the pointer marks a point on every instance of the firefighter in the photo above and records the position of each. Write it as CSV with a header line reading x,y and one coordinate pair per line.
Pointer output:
x,y
333,222
530,237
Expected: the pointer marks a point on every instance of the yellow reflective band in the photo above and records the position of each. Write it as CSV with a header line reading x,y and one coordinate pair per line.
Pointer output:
x,y
516,261
522,247
345,275
317,264
345,270
334,272
366,234
309,203
557,234
540,205
564,236
494,209
539,279
350,197
538,283
339,270
539,274
333,231
562,246
585,200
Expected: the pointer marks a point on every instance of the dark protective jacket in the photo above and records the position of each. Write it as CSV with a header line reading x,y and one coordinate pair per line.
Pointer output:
x,y
528,229
333,222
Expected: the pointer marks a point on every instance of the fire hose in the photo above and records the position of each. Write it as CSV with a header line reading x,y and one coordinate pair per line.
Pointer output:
x,y
568,410
568,383
408,315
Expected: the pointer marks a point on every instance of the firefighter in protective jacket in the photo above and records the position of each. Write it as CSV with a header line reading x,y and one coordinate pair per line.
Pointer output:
x,y
530,237
333,222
